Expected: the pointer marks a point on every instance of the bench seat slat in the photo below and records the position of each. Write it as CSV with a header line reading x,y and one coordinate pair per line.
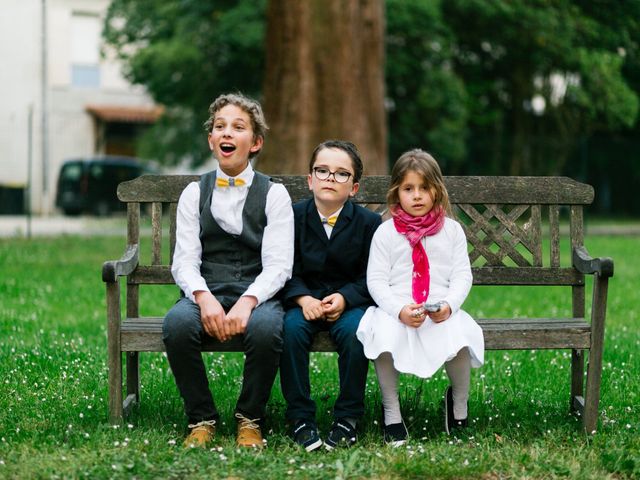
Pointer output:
x,y
145,334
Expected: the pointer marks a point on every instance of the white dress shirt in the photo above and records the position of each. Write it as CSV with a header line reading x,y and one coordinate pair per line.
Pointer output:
x,y
226,207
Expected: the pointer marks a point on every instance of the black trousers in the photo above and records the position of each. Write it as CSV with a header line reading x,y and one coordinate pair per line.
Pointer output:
x,y
184,337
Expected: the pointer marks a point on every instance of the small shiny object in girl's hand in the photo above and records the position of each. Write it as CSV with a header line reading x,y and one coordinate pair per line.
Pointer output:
x,y
431,307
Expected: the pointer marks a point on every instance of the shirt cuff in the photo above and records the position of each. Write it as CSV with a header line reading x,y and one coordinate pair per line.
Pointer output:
x,y
254,291
189,291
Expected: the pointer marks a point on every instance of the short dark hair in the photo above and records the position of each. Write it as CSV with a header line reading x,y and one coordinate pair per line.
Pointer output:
x,y
347,147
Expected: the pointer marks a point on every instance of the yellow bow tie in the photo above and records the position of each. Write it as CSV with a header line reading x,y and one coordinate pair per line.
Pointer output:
x,y
331,221
232,182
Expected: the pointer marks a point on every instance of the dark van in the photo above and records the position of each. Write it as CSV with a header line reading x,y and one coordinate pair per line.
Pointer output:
x,y
89,185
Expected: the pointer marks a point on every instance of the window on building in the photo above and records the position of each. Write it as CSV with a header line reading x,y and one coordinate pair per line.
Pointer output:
x,y
85,50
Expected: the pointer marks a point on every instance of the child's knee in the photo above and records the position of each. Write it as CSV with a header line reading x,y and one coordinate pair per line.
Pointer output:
x,y
180,326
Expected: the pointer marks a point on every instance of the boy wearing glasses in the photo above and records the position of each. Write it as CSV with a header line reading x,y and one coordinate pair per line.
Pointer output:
x,y
328,291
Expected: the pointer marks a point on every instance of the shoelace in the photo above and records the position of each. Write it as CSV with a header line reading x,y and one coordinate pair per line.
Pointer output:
x,y
348,430
203,423
300,427
248,422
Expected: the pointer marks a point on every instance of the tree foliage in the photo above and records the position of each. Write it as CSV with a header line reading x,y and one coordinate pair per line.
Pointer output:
x,y
488,86
542,73
185,53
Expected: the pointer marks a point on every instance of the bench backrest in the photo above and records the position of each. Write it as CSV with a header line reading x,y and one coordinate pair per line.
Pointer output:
x,y
513,225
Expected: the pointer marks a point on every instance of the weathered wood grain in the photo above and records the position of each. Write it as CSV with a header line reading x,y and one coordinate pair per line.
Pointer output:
x,y
373,189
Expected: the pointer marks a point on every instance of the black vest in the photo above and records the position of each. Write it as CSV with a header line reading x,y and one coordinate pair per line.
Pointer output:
x,y
230,263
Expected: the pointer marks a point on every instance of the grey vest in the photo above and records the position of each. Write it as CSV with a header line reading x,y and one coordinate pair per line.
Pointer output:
x,y
230,263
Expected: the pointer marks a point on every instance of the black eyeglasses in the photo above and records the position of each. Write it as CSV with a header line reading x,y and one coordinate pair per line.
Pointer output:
x,y
323,173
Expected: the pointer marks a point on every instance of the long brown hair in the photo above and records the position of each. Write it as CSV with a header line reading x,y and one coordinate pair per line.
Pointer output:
x,y
425,165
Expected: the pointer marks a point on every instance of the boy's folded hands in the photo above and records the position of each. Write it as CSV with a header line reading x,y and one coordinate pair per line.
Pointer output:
x,y
218,324
329,308
311,308
238,316
212,315
333,305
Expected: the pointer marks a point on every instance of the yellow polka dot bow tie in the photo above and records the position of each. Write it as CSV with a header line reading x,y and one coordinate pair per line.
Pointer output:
x,y
232,182
331,221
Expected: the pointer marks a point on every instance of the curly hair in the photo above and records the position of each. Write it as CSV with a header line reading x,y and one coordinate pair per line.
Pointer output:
x,y
250,106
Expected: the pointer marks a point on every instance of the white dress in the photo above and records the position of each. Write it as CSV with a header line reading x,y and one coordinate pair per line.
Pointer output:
x,y
420,351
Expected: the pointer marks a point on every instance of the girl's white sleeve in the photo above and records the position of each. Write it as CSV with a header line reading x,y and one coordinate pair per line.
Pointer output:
x,y
379,273
461,278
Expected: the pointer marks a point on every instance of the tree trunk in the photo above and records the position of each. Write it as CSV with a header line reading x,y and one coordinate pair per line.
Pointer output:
x,y
324,80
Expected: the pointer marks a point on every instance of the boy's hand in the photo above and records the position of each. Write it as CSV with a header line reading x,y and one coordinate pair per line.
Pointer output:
x,y
412,315
442,314
238,316
311,307
333,305
211,315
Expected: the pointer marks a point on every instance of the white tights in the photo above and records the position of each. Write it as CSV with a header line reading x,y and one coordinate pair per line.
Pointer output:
x,y
458,370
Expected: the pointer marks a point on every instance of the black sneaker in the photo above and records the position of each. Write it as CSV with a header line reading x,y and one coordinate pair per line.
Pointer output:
x,y
395,435
451,423
305,434
342,434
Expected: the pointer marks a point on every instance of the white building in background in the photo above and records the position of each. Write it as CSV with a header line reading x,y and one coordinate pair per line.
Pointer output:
x,y
58,98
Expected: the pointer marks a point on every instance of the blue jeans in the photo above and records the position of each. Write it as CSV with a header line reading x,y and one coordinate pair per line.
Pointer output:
x,y
184,336
294,364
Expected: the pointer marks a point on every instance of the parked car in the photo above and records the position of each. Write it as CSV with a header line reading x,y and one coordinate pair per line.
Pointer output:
x,y
89,185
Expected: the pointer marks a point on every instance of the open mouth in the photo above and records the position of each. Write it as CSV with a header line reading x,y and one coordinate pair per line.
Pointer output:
x,y
227,147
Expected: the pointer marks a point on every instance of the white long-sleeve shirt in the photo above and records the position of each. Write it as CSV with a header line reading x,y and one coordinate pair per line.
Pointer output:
x,y
226,207
389,272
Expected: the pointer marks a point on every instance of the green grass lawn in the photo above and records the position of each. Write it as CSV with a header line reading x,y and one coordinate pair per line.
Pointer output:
x,y
53,394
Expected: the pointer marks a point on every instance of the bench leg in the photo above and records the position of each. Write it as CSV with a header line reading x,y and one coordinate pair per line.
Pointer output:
x,y
114,357
576,402
594,369
133,378
592,399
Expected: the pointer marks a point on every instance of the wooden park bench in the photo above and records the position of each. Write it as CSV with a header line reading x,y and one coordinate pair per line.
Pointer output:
x,y
503,221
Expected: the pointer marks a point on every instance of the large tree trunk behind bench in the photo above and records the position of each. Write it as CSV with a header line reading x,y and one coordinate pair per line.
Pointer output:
x,y
324,80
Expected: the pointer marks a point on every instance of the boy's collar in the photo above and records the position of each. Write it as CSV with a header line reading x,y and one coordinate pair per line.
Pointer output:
x,y
333,214
346,209
246,174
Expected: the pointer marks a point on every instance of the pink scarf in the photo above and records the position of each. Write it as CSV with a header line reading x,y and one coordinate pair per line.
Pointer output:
x,y
414,228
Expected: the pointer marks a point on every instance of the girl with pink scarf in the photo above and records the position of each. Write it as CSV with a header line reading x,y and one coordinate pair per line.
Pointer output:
x,y
419,258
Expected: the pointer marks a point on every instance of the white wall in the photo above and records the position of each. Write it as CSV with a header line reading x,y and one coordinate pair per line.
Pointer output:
x,y
70,128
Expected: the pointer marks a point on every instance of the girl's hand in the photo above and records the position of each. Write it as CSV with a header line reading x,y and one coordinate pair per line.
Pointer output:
x,y
412,316
442,314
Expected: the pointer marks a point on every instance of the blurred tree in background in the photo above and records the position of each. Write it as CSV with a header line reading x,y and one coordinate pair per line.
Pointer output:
x,y
187,52
529,87
324,79
539,74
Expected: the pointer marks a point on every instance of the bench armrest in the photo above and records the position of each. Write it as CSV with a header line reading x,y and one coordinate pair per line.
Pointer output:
x,y
113,269
584,263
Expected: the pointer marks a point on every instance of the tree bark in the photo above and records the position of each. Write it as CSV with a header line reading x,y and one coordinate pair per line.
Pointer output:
x,y
324,80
